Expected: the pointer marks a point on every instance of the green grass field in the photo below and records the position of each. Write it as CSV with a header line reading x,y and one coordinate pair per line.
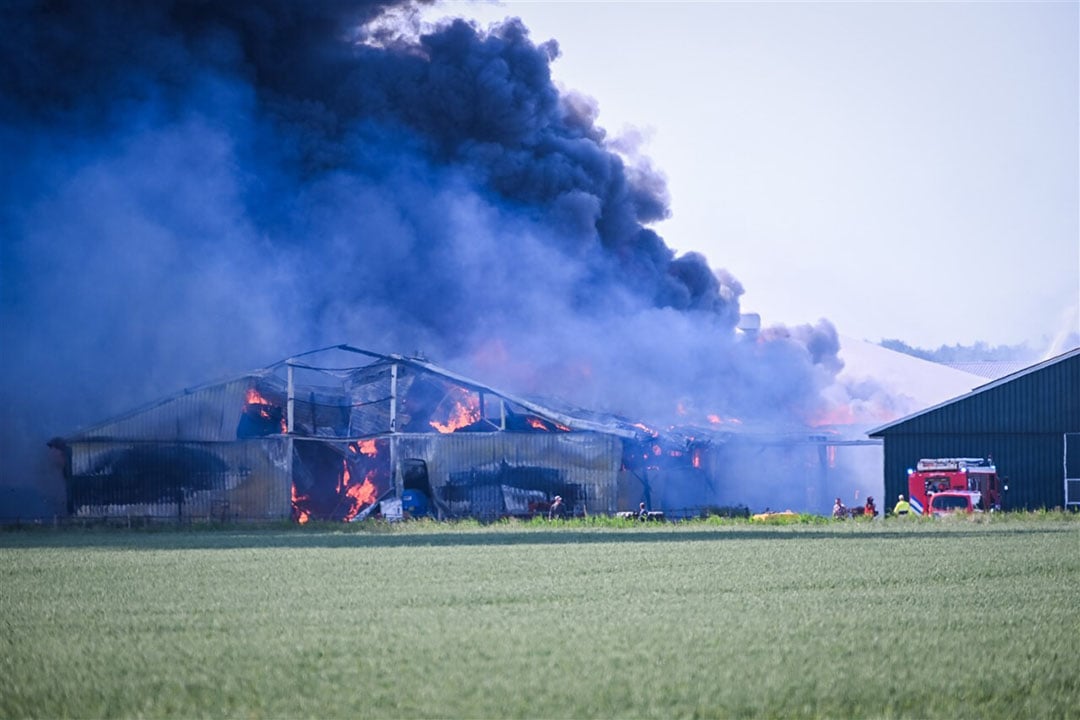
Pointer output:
x,y
896,618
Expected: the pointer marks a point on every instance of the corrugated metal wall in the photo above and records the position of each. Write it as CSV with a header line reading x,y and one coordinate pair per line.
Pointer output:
x,y
1020,423
249,479
1040,401
1032,463
208,414
588,460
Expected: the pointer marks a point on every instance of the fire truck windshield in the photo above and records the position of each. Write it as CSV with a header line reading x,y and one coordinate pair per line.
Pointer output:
x,y
951,502
937,483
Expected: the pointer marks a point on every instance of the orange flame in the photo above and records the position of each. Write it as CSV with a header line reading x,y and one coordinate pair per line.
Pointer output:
x,y
465,410
646,428
301,515
365,447
536,423
343,481
840,414
359,496
254,397
364,494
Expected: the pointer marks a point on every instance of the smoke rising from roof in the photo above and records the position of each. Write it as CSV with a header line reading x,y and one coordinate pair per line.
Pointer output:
x,y
198,188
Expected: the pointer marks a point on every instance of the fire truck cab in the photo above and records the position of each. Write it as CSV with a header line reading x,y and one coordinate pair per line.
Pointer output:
x,y
953,501
964,485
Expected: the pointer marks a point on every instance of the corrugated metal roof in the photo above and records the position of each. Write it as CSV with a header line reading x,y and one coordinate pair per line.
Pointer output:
x,y
978,391
210,412
990,369
204,413
573,418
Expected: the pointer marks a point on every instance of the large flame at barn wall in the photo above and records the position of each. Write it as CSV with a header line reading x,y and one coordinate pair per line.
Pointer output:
x,y
337,487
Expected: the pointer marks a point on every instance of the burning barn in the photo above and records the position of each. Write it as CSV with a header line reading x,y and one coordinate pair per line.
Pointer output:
x,y
401,436
393,434
495,211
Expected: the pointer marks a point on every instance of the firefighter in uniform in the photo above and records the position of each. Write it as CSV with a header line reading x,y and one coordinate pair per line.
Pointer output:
x,y
557,511
902,507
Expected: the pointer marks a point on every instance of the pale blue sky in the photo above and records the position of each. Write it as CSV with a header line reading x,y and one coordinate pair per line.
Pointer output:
x,y
906,170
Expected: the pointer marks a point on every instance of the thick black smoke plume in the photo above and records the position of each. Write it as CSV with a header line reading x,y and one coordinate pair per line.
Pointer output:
x,y
195,188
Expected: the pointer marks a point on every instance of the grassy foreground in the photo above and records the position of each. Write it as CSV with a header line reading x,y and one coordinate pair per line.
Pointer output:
x,y
896,618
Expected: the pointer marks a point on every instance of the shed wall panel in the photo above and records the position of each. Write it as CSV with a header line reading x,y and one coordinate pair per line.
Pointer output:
x,y
240,480
1032,463
586,460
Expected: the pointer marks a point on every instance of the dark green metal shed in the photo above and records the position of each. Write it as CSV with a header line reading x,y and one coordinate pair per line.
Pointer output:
x,y
1027,422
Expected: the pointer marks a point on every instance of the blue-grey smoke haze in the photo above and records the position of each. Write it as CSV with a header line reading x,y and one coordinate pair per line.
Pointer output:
x,y
196,189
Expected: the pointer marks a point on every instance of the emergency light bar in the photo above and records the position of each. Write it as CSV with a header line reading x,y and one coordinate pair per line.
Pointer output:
x,y
952,464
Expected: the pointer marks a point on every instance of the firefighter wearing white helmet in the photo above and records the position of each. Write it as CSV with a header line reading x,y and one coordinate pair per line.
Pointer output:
x,y
902,507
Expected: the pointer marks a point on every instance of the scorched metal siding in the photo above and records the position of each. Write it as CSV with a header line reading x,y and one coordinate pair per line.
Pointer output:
x,y
590,461
247,479
205,414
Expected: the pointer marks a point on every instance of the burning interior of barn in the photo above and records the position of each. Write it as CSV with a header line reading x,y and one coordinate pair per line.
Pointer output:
x,y
397,437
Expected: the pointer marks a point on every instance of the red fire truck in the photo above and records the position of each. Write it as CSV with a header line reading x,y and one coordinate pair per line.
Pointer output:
x,y
964,484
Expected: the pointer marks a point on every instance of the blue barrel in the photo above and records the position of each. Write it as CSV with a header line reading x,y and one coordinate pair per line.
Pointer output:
x,y
414,502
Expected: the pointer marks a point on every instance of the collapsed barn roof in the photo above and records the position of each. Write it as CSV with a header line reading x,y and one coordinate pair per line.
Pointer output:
x,y
386,393
315,437
318,437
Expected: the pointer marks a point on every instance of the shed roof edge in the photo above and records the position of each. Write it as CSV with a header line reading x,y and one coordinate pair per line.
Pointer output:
x,y
878,431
